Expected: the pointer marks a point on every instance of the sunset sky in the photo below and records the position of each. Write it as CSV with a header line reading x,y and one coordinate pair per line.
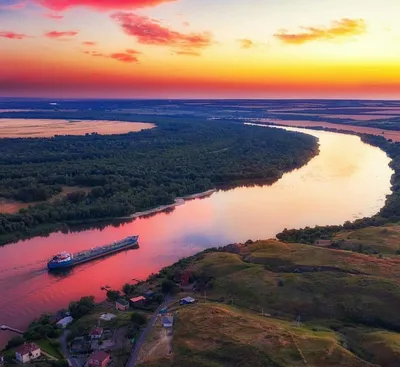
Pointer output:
x,y
200,48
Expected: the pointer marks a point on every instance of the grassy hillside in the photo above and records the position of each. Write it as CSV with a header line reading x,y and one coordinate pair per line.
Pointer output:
x,y
347,304
371,240
219,335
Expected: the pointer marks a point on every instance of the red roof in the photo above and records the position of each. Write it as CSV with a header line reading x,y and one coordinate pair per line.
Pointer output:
x,y
27,348
100,356
137,299
97,331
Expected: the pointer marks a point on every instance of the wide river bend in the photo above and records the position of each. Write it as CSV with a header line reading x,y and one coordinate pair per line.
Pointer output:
x,y
346,181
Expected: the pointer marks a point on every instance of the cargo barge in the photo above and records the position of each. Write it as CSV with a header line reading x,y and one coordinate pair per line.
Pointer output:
x,y
66,260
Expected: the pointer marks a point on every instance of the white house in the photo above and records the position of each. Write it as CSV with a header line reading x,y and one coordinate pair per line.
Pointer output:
x,y
27,352
63,323
167,321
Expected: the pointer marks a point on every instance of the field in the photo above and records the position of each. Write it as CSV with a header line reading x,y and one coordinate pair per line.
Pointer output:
x,y
320,307
45,128
375,240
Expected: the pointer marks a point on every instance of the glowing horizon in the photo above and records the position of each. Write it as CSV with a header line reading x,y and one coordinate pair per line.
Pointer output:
x,y
192,49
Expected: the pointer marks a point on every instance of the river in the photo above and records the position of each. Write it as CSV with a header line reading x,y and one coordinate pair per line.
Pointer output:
x,y
346,181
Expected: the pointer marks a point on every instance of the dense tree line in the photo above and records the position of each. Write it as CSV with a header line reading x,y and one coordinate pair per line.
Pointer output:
x,y
390,213
126,173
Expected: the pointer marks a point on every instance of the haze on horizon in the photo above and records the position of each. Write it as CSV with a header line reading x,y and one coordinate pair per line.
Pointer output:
x,y
200,49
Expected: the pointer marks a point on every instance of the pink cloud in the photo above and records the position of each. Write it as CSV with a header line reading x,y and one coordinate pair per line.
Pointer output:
x,y
60,5
13,35
54,16
89,43
152,32
128,56
57,34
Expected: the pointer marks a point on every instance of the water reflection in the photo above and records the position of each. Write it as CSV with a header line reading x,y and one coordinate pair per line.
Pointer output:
x,y
347,180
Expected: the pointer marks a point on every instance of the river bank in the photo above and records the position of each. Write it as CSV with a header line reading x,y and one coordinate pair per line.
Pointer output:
x,y
330,188
178,201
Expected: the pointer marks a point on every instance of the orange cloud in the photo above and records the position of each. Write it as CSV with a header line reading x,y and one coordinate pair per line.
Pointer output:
x,y
246,43
60,5
341,28
151,32
89,43
57,34
13,35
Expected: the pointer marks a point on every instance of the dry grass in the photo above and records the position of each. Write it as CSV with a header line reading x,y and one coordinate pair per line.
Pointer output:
x,y
218,335
384,239
28,128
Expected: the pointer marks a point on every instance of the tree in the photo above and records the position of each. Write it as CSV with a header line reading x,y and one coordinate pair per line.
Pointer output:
x,y
15,342
82,307
168,286
113,295
138,319
128,288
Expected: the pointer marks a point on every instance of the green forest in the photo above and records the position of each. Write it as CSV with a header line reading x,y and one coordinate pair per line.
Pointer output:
x,y
122,174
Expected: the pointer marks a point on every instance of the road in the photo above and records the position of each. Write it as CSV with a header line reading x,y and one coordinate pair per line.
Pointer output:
x,y
64,348
135,351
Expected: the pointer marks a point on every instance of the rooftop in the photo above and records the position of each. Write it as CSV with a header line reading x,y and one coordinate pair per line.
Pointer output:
x,y
97,331
99,356
123,302
188,299
27,348
137,299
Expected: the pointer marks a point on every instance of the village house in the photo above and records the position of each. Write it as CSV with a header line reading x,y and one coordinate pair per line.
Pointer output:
x,y
63,323
121,304
138,301
27,352
187,301
96,333
149,294
323,243
99,359
167,321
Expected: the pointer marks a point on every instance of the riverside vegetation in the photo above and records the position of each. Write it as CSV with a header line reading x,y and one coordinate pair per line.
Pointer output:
x,y
122,174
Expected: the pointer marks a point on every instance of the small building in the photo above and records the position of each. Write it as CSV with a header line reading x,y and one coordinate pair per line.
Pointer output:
x,y
1,360
163,311
27,352
99,359
96,333
323,243
187,301
63,323
138,301
121,304
167,321
107,316
149,294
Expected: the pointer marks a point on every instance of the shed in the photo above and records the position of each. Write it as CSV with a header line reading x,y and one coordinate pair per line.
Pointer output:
x,y
96,333
137,301
149,294
167,321
323,243
187,301
121,304
99,359
63,323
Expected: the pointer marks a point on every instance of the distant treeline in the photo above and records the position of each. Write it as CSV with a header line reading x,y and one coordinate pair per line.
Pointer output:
x,y
390,213
126,173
